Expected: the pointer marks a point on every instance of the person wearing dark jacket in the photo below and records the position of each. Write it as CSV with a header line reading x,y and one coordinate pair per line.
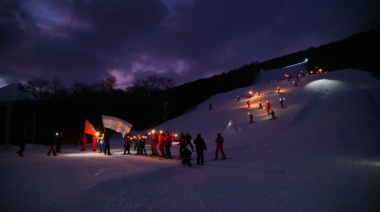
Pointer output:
x,y
184,140
52,142
107,144
200,147
186,156
21,143
127,144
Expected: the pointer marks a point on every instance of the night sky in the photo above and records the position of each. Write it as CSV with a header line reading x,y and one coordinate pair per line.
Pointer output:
x,y
183,39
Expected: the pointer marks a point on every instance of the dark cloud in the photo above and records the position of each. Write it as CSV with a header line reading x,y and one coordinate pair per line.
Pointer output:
x,y
186,39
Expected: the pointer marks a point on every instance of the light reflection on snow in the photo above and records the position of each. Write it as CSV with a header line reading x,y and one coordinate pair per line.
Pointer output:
x,y
323,85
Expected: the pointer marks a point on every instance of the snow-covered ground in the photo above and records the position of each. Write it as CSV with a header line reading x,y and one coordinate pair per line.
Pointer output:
x,y
321,154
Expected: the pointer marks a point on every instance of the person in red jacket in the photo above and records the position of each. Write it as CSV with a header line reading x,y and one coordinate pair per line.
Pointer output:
x,y
94,142
267,110
161,144
167,143
84,143
219,146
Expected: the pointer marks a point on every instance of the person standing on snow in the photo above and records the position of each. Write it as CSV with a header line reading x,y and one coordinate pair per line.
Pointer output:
x,y
153,145
94,141
248,104
183,141
52,141
21,143
84,142
144,140
219,146
127,143
268,104
59,136
161,145
107,144
167,143
200,147
101,142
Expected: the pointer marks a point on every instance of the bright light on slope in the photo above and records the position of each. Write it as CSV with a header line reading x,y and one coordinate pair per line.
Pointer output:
x,y
323,85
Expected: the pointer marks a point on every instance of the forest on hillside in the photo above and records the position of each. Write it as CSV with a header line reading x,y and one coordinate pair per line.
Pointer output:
x,y
149,102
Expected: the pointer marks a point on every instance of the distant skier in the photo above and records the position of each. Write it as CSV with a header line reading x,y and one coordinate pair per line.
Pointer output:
x,y
278,89
238,98
219,146
267,110
258,93
250,118
268,104
272,113
248,104
295,83
260,105
200,147
282,102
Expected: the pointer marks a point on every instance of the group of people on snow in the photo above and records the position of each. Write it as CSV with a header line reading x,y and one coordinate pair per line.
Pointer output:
x,y
163,140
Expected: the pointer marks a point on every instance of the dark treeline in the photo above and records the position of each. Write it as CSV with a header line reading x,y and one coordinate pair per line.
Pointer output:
x,y
56,108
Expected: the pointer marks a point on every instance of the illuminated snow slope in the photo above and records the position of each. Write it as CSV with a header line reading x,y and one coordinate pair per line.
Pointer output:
x,y
321,154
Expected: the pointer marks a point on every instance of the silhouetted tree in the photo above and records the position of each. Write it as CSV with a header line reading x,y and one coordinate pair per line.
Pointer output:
x,y
35,87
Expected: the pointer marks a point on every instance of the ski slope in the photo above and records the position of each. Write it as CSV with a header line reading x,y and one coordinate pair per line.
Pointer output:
x,y
320,154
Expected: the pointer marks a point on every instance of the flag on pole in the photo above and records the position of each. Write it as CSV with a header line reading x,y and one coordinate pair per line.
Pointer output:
x,y
89,129
116,124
